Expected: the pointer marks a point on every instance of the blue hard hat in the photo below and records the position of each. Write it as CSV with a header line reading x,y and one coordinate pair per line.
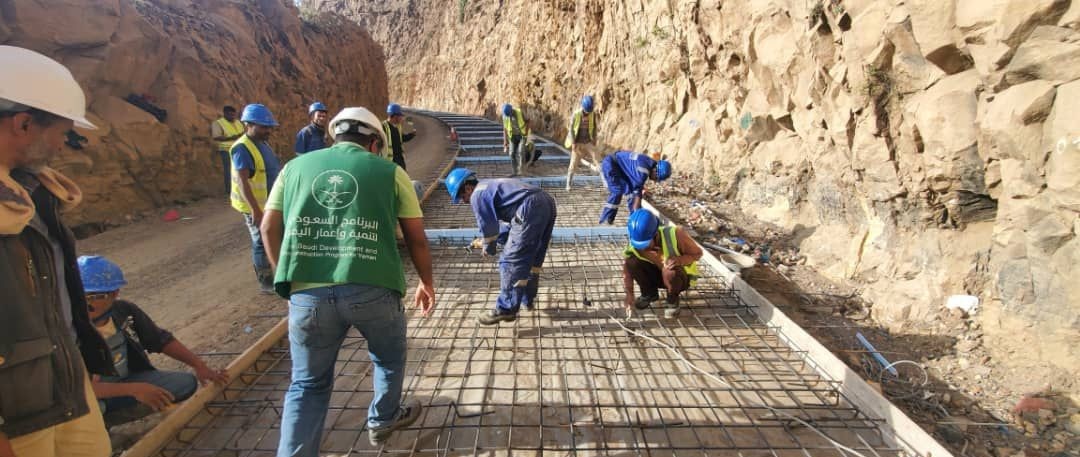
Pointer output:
x,y
507,109
256,113
100,275
642,228
393,109
455,179
587,103
317,106
663,170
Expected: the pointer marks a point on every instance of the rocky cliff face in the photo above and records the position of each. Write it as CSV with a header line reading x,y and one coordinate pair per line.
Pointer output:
x,y
192,57
923,148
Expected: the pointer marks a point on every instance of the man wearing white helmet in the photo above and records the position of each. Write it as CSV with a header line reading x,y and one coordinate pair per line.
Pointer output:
x,y
329,233
47,408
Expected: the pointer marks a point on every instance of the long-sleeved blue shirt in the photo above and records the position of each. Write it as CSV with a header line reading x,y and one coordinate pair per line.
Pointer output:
x,y
497,200
310,138
636,167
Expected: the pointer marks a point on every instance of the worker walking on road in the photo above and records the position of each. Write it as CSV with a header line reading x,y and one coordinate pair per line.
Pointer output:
x,y
329,231
255,167
625,173
515,136
313,136
130,333
530,213
225,130
392,127
581,137
48,407
658,257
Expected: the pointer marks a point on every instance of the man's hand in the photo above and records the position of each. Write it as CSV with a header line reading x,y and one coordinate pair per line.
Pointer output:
x,y
489,249
5,447
150,395
425,299
206,375
256,217
673,263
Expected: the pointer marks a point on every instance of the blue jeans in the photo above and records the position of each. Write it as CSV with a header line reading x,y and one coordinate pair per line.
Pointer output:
x,y
318,320
225,162
181,385
258,251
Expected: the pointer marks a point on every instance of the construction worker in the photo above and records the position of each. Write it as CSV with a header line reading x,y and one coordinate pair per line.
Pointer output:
x,y
658,257
313,136
329,230
530,213
225,130
516,134
392,127
581,137
130,333
625,173
255,167
48,407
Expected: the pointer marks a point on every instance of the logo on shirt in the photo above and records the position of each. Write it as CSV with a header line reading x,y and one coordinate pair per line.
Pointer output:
x,y
334,189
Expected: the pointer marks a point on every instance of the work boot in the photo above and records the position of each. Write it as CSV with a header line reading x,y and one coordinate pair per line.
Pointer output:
x,y
672,310
644,301
493,316
406,417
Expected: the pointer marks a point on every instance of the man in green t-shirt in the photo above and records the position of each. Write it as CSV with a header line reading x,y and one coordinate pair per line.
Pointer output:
x,y
329,234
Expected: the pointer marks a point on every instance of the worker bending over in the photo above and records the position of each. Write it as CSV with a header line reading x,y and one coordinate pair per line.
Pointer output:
x,y
136,388
515,136
658,257
530,213
625,173
313,136
581,137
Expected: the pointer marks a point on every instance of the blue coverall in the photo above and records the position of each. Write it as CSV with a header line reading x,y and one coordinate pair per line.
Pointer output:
x,y
530,212
310,138
624,173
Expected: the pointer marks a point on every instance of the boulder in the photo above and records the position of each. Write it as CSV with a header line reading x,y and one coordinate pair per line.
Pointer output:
x,y
1045,59
975,14
134,127
1020,17
1006,128
64,23
989,58
910,70
934,24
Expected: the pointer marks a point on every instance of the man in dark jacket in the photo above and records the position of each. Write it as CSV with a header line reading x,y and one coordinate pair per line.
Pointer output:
x,y
130,333
47,407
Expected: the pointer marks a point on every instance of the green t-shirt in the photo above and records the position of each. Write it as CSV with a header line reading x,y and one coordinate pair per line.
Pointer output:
x,y
337,225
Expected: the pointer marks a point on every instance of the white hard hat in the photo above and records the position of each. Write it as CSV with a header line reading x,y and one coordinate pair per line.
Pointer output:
x,y
34,80
369,123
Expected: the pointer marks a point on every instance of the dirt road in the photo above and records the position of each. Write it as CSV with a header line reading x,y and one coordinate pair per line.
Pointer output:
x,y
194,276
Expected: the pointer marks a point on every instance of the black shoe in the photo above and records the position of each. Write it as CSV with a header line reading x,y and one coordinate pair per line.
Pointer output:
x,y
644,301
492,317
408,415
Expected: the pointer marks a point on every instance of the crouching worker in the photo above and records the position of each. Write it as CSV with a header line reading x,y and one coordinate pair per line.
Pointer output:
x,y
658,257
138,388
625,174
530,213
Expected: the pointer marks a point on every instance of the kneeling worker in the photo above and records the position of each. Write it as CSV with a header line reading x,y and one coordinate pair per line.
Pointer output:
x,y
130,333
658,257
530,212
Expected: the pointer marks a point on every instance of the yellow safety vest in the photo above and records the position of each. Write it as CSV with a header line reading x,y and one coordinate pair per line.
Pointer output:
x,y
575,124
508,124
229,129
669,247
388,150
258,180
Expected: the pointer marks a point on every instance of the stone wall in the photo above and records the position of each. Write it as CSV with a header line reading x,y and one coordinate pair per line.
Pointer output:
x,y
922,148
193,57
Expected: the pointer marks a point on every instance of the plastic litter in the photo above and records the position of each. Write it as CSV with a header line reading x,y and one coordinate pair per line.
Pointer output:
x,y
967,303
171,215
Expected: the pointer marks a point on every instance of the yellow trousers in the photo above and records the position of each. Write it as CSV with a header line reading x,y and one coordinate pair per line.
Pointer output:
x,y
83,436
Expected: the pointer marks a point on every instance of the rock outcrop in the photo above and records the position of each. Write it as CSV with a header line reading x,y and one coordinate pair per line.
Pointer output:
x,y
913,140
191,57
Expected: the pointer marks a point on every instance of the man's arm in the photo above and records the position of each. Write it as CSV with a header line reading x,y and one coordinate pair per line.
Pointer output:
x,y
408,137
205,374
249,195
691,252
217,133
5,447
412,229
273,231
148,394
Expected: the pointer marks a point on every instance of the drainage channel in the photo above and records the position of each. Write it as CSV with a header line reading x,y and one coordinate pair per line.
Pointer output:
x,y
573,377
